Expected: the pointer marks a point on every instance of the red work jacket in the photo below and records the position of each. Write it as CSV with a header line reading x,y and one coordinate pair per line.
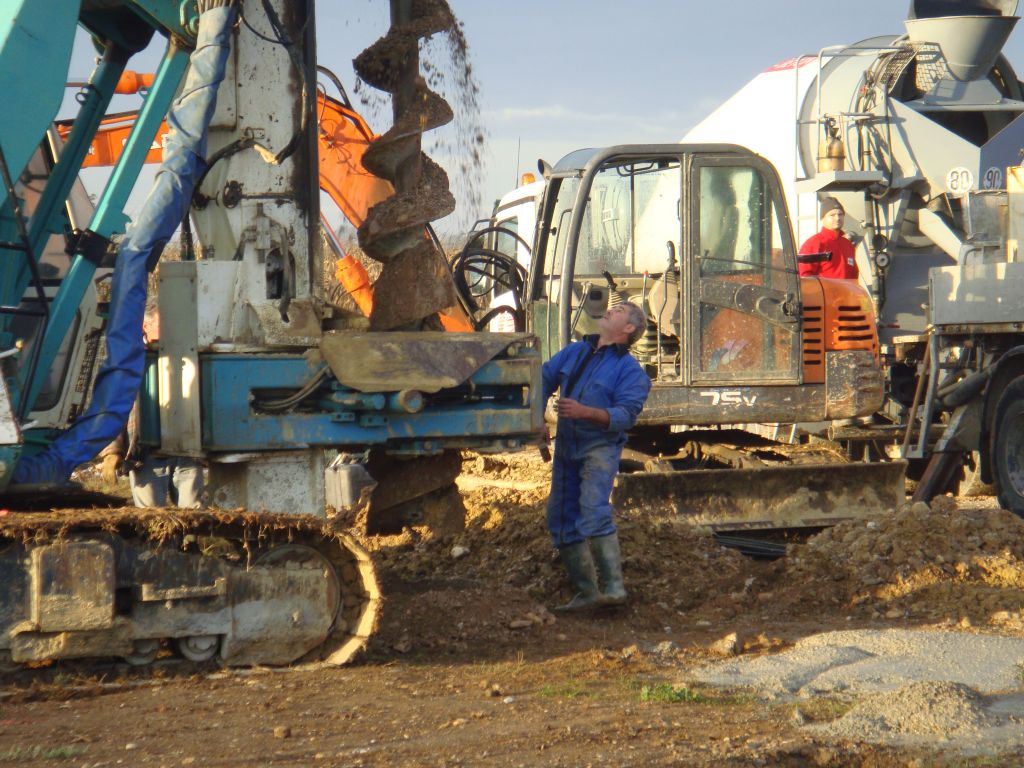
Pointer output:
x,y
843,264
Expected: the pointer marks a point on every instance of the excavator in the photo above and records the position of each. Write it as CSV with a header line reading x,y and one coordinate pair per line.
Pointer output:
x,y
257,371
740,348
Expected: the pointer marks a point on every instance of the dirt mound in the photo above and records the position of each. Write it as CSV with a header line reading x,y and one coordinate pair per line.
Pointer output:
x,y
525,468
927,708
937,562
666,564
452,617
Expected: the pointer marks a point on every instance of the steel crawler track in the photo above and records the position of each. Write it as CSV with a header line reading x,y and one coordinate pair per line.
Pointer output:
x,y
249,589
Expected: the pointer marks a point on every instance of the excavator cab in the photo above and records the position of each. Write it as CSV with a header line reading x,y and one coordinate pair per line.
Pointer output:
x,y
699,238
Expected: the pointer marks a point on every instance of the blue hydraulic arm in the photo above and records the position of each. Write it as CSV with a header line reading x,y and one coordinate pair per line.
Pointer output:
x,y
45,220
117,382
35,47
96,99
109,217
14,273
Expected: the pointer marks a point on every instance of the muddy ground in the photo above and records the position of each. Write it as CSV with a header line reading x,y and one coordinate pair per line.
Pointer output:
x,y
470,667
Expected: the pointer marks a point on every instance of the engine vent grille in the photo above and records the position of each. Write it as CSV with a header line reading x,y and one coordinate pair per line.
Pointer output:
x,y
853,325
814,335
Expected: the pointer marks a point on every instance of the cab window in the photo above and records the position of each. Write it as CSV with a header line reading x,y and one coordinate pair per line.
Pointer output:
x,y
505,241
632,212
741,270
558,233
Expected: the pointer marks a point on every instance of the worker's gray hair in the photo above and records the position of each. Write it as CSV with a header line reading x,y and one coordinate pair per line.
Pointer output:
x,y
638,319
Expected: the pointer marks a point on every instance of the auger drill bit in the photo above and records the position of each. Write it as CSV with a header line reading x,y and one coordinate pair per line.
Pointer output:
x,y
415,282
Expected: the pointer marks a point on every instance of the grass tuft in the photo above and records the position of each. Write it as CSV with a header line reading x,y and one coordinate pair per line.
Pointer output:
x,y
670,694
567,690
22,754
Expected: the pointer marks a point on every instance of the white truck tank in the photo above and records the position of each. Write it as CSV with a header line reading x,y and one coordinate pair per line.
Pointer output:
x,y
928,122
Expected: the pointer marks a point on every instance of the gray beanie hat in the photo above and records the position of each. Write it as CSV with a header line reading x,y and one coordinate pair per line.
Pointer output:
x,y
828,204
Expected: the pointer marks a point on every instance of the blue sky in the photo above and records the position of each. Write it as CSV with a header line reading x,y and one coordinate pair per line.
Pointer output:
x,y
556,75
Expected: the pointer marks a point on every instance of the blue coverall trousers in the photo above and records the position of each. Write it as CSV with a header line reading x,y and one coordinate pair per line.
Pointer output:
x,y
587,454
581,484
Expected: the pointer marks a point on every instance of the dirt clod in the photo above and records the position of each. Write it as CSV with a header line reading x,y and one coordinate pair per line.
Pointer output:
x,y
726,646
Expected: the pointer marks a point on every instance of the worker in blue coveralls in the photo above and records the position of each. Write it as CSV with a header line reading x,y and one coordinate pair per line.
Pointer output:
x,y
602,391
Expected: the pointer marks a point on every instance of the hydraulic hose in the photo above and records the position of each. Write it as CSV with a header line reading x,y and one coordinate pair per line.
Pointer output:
x,y
119,378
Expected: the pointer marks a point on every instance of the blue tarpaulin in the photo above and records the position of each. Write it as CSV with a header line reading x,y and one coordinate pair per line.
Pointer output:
x,y
120,376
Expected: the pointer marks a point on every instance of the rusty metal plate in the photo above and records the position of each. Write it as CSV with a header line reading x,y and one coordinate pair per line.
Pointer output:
x,y
277,615
72,586
427,361
300,329
415,491
854,383
81,644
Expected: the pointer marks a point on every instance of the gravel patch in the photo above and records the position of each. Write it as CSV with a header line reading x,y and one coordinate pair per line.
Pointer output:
x,y
928,708
922,688
869,661
933,713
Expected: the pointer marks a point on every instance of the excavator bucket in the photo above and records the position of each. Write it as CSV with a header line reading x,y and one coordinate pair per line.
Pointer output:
x,y
789,496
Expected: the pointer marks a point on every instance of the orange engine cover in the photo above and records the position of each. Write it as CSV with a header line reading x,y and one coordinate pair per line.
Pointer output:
x,y
837,314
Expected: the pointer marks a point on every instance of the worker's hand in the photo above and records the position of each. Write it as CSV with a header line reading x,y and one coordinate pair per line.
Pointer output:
x,y
570,409
108,468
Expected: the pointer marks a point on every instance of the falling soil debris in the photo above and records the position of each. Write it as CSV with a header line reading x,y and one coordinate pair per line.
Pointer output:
x,y
451,73
446,68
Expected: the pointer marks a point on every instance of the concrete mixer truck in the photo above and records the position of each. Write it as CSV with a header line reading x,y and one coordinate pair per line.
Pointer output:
x,y
919,137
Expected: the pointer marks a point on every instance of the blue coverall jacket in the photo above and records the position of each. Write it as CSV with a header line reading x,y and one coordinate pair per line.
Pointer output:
x,y
586,454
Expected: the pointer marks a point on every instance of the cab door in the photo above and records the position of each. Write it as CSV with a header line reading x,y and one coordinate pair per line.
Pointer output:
x,y
744,294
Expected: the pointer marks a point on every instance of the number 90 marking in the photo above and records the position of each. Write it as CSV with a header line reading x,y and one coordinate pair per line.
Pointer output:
x,y
993,178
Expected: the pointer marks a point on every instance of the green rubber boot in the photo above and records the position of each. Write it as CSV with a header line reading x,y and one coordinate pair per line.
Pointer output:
x,y
609,565
580,565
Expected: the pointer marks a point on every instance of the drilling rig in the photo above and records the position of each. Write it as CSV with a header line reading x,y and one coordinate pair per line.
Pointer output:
x,y
256,373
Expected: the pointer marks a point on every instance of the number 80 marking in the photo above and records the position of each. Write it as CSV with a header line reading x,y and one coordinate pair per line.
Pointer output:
x,y
959,181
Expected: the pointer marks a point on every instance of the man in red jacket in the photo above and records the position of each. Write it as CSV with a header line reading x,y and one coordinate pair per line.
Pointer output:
x,y
830,241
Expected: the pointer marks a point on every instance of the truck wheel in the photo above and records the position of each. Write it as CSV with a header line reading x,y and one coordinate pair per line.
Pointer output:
x,y
1008,447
